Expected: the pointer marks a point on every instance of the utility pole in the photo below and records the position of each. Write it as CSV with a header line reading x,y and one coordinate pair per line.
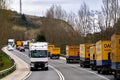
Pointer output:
x,y
20,6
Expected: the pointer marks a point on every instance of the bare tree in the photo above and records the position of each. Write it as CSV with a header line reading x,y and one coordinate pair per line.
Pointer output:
x,y
56,12
110,10
3,4
71,19
84,19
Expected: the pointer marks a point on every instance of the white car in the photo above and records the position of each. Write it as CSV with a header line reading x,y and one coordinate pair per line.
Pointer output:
x,y
10,48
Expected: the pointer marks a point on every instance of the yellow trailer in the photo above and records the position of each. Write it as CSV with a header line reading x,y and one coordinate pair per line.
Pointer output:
x,y
55,53
93,56
72,54
103,51
115,44
50,46
85,55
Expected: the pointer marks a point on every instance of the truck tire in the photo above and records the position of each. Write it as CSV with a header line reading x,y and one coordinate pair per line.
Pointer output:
x,y
31,69
116,76
98,71
45,68
67,61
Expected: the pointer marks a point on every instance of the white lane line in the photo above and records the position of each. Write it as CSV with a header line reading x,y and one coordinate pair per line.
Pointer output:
x,y
27,75
88,71
58,72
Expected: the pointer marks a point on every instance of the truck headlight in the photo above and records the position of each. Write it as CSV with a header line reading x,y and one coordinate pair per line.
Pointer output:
x,y
46,64
32,64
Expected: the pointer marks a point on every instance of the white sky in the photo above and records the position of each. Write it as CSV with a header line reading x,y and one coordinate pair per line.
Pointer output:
x,y
39,7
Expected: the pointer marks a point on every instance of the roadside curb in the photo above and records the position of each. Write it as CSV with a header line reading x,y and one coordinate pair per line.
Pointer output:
x,y
22,71
27,75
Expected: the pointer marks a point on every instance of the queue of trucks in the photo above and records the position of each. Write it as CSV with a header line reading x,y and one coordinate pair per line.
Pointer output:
x,y
102,56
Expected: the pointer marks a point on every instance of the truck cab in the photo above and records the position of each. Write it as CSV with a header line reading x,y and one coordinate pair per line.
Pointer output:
x,y
11,44
38,55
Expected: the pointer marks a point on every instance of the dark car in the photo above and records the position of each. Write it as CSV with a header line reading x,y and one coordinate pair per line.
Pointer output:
x,y
22,49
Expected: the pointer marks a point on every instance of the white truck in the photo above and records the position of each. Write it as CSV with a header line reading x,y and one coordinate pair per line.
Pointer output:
x,y
11,44
38,55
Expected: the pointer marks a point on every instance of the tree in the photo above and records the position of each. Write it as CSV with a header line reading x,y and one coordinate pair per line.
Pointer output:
x,y
23,17
111,12
56,12
84,19
40,38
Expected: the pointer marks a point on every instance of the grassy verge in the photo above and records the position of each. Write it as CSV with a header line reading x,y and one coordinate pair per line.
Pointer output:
x,y
1,76
7,63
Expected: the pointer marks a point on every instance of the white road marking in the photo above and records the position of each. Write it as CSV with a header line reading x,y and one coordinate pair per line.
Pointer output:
x,y
27,75
58,72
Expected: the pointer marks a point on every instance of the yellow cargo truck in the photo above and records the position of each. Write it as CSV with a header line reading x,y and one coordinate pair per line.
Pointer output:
x,y
72,54
50,46
55,53
18,44
115,45
85,55
93,56
103,51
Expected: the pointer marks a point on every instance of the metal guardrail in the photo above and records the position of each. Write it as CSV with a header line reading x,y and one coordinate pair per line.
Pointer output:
x,y
7,70
3,72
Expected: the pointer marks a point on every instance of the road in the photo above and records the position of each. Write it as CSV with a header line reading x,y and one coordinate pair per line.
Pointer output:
x,y
59,70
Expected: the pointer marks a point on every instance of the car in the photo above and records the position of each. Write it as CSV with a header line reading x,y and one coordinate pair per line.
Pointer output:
x,y
22,49
18,47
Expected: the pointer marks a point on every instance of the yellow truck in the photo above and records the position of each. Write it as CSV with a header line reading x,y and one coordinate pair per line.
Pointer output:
x,y
72,54
50,46
85,55
93,56
18,44
115,45
55,53
103,52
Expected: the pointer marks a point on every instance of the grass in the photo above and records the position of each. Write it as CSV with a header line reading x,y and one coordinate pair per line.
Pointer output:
x,y
7,62
1,76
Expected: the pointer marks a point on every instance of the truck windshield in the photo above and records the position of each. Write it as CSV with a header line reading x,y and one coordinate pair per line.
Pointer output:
x,y
38,53
10,43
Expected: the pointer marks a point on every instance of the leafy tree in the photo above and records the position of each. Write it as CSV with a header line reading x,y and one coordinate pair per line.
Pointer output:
x,y
40,38
23,17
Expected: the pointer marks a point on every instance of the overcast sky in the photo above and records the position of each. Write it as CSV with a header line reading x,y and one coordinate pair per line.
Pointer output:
x,y
39,7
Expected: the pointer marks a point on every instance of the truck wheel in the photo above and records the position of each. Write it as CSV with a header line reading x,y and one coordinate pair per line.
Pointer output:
x,y
67,61
98,71
92,68
116,76
31,69
46,68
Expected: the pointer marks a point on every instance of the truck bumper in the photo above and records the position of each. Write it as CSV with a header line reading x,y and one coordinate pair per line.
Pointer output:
x,y
73,59
55,56
37,65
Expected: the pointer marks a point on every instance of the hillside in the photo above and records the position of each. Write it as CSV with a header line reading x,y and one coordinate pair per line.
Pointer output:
x,y
56,31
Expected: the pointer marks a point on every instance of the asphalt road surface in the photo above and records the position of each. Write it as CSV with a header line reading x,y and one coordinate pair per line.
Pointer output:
x,y
59,70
